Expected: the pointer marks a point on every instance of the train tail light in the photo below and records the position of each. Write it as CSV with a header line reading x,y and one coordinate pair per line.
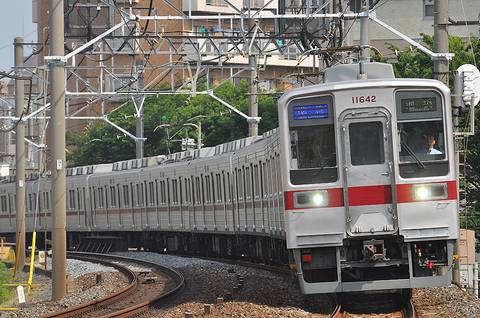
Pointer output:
x,y
432,191
306,258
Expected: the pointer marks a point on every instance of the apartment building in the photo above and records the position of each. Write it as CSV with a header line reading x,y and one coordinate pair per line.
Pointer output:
x,y
213,38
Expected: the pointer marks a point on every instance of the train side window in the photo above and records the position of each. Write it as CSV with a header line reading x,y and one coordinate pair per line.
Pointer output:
x,y
208,195
151,193
256,181
139,194
11,204
248,183
187,191
174,191
163,200
180,192
100,198
71,199
3,204
79,199
132,194
197,191
126,197
240,181
218,188
227,187
366,143
113,197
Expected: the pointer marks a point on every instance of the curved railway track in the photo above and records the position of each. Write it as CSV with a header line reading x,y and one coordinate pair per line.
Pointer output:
x,y
109,306
336,309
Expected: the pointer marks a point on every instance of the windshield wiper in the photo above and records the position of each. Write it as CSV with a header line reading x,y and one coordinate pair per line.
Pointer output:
x,y
411,153
325,164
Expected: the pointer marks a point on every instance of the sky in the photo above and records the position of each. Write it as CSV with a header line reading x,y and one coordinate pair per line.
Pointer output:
x,y
16,22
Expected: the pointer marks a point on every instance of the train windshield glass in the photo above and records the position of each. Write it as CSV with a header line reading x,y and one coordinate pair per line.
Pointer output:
x,y
421,141
313,154
421,135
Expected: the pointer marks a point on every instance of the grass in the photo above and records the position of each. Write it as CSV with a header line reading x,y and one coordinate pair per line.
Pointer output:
x,y
5,277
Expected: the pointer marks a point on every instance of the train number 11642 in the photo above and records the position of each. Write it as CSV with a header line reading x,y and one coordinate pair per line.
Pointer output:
x,y
364,99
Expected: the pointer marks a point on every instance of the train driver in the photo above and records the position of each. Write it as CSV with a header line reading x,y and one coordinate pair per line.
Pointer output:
x,y
428,141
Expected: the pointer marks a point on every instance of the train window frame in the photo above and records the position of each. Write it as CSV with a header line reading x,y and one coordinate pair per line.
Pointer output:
x,y
151,193
420,112
218,187
197,191
312,132
208,192
113,197
101,198
174,191
71,199
126,196
248,183
256,181
3,204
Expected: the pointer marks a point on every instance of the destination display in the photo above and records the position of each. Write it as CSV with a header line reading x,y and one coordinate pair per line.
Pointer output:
x,y
310,112
417,105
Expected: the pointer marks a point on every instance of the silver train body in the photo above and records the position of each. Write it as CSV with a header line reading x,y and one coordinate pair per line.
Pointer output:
x,y
367,206
338,188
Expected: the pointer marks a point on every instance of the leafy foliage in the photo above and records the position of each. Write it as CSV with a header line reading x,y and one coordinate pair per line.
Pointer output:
x,y
103,143
416,64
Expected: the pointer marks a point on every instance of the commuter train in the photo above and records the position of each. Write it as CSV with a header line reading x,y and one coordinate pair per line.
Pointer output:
x,y
356,189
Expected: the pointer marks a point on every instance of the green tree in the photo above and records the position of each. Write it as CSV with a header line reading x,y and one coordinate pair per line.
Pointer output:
x,y
102,143
416,64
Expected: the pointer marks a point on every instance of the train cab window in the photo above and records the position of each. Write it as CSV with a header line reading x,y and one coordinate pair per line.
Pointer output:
x,y
313,157
313,150
421,135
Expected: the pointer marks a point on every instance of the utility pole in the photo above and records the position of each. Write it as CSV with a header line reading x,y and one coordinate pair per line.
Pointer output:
x,y
57,102
365,35
441,66
20,153
140,142
252,86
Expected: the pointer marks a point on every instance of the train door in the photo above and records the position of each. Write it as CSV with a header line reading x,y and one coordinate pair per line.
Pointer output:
x,y
368,171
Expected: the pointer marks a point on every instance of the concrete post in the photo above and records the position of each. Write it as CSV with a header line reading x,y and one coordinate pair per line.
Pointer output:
x,y
57,100
441,67
20,154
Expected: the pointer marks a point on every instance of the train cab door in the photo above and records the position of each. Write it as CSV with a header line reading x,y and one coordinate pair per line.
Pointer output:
x,y
368,171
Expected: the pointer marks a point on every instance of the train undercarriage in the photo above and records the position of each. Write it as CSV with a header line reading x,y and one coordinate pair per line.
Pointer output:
x,y
374,264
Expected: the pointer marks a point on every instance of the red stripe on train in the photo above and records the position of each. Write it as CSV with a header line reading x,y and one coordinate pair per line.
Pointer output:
x,y
371,195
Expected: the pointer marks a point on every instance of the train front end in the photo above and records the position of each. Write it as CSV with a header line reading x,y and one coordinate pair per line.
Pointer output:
x,y
370,185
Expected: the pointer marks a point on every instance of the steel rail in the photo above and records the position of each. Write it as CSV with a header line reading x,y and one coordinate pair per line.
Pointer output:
x,y
136,309
134,284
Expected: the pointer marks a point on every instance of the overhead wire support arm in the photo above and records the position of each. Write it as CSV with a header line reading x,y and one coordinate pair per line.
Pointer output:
x,y
255,119
52,59
124,131
434,56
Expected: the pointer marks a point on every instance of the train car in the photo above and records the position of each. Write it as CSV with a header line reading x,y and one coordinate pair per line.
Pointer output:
x,y
369,181
356,190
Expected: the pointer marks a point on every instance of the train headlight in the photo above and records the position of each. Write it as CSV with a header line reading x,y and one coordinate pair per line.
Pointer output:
x,y
310,198
432,191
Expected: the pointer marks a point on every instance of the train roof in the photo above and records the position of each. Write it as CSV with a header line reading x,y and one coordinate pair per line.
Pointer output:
x,y
229,147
